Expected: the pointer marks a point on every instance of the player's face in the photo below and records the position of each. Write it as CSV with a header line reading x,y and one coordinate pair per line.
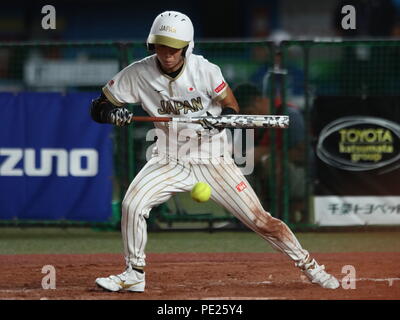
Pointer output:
x,y
170,58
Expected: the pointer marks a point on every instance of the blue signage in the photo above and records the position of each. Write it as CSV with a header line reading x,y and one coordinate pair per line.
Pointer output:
x,y
55,161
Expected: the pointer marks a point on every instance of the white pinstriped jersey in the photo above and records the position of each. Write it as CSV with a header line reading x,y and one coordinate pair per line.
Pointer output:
x,y
197,89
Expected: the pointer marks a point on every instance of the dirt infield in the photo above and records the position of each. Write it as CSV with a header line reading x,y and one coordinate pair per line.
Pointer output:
x,y
183,276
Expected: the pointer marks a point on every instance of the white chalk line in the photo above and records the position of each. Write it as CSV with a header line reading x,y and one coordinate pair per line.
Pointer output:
x,y
375,279
19,290
389,280
303,280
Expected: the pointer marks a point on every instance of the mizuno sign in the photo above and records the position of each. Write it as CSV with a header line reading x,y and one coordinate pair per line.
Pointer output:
x,y
45,162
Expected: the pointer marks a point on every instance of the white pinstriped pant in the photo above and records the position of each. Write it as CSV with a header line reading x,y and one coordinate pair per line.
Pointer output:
x,y
160,179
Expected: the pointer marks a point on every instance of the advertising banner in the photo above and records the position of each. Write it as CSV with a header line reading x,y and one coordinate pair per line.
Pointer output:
x,y
357,154
55,161
342,211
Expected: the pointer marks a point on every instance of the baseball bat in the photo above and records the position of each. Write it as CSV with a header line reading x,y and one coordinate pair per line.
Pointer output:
x,y
228,121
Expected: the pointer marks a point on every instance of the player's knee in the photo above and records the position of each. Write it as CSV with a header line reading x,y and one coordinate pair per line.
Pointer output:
x,y
125,206
134,207
131,199
129,206
268,225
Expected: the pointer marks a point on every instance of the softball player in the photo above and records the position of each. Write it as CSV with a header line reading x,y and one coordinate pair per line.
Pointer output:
x,y
175,81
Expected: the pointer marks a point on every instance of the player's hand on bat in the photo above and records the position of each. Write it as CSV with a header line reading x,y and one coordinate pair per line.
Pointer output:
x,y
120,117
206,124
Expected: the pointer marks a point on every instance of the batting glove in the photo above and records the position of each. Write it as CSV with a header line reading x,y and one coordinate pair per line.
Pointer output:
x,y
225,111
207,124
120,117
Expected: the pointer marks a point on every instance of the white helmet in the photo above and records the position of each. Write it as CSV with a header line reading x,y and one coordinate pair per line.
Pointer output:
x,y
172,29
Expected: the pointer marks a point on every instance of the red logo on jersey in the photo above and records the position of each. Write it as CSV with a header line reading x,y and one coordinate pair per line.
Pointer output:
x,y
220,87
191,89
111,83
241,186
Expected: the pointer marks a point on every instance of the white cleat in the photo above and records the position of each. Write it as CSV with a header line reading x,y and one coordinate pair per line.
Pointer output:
x,y
317,274
129,280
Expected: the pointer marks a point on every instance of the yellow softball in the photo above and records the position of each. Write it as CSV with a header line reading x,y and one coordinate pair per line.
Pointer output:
x,y
201,192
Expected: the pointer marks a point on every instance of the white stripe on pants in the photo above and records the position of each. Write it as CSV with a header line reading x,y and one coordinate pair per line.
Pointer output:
x,y
160,179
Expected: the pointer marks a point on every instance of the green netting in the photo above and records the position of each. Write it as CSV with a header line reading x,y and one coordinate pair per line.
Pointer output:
x,y
87,66
57,67
349,68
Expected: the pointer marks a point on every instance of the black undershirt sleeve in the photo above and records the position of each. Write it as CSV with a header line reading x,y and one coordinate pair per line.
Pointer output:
x,y
100,109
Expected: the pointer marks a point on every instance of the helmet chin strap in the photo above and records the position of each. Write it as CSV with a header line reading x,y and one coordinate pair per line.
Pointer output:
x,y
185,49
189,49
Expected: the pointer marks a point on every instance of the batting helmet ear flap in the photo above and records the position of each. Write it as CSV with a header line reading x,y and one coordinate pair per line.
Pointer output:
x,y
150,47
184,51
